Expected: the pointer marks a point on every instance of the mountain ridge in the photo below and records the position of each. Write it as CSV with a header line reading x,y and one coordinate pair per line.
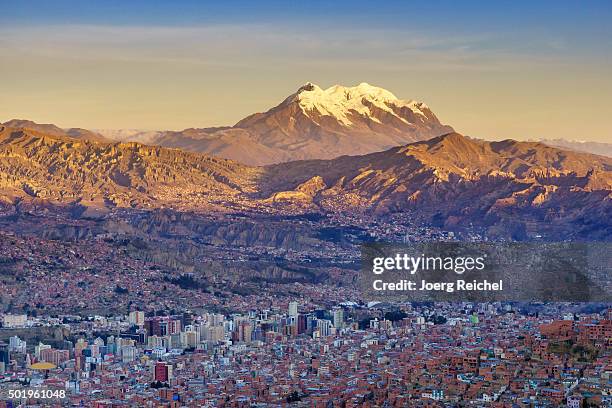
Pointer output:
x,y
450,180
51,129
35,165
311,123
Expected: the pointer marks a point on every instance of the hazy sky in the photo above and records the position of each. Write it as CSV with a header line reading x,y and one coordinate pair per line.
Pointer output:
x,y
502,70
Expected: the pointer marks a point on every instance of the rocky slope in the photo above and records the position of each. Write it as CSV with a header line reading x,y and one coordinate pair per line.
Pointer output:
x,y
35,165
450,181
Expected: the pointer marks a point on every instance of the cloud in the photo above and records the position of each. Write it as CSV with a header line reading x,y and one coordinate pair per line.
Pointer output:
x,y
260,44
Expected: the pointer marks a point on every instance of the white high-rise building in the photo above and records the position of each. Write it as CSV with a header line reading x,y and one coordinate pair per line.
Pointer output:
x,y
324,327
293,309
190,338
129,353
17,345
338,318
39,348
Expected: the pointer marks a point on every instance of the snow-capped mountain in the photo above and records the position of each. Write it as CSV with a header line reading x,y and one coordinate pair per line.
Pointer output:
x,y
312,123
325,123
315,123
350,106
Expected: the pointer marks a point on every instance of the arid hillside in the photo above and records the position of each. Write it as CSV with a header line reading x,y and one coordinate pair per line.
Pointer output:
x,y
450,181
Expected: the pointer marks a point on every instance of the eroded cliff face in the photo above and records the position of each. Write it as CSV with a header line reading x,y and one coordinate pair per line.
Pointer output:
x,y
58,169
281,249
53,335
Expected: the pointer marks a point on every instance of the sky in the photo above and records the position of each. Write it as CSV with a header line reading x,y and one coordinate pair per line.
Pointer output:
x,y
504,69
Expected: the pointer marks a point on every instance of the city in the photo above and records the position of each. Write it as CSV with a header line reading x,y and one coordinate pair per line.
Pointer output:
x,y
312,204
352,355
202,312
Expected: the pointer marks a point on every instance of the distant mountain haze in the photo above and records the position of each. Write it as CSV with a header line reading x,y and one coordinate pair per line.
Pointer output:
x,y
604,149
130,135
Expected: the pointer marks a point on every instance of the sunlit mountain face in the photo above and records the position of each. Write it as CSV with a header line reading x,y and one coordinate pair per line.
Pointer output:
x,y
450,180
312,123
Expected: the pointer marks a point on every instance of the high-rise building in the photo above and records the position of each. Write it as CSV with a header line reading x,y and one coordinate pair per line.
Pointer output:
x,y
311,323
217,319
338,318
324,327
136,318
301,324
17,345
245,330
293,309
39,349
162,372
162,326
190,337
174,326
56,357
128,353
212,333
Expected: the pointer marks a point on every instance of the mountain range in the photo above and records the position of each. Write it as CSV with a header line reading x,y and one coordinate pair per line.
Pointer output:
x,y
508,187
520,188
312,123
338,150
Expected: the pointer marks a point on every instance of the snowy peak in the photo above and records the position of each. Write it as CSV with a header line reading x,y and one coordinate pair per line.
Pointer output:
x,y
344,92
342,103
317,123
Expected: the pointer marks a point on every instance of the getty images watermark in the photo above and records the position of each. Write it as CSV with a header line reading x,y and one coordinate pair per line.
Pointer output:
x,y
453,271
